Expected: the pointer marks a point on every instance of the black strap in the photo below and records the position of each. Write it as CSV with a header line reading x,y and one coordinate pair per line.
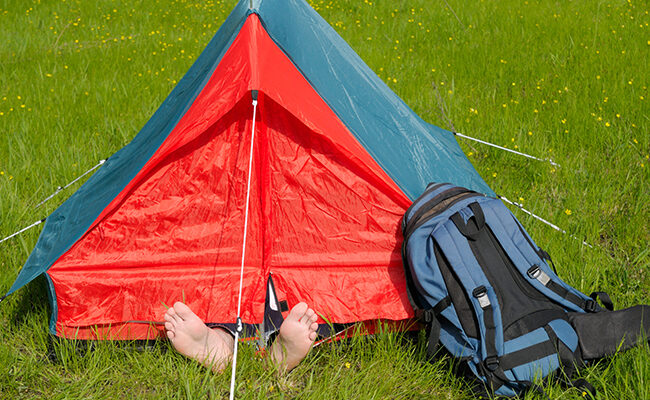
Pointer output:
x,y
545,256
478,214
527,354
434,338
533,321
430,317
490,332
498,378
466,229
587,305
491,361
442,304
523,356
604,298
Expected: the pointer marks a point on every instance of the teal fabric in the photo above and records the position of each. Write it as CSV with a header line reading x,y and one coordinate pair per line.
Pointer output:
x,y
411,151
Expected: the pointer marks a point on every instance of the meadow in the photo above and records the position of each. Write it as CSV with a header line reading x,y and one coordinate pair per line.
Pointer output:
x,y
566,81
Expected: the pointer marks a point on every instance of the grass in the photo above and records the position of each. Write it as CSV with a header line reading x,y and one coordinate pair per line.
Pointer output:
x,y
560,80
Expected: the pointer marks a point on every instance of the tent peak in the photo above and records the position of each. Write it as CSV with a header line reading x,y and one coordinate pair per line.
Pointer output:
x,y
254,4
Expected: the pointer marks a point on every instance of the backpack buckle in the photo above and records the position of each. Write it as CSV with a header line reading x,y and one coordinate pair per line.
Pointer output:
x,y
492,363
481,295
591,306
535,272
425,316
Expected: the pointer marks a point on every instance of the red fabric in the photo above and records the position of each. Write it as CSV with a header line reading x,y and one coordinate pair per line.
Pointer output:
x,y
323,218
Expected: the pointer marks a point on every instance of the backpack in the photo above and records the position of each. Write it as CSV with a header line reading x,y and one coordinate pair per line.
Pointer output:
x,y
489,297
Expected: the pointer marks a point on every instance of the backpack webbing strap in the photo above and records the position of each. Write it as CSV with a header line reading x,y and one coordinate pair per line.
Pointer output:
x,y
491,360
527,354
545,256
498,378
470,231
433,343
430,317
587,305
535,272
495,371
604,298
539,318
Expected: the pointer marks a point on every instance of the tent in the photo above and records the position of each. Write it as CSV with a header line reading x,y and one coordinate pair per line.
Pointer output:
x,y
335,159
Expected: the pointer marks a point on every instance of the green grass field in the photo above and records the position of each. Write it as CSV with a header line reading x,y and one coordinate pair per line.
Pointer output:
x,y
561,80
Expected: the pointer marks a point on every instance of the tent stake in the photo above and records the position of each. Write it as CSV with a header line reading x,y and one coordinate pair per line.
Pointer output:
x,y
243,252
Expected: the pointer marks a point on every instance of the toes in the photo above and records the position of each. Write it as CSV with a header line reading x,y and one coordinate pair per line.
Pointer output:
x,y
312,336
298,311
313,327
168,316
307,316
182,310
176,318
169,326
172,315
170,311
313,318
171,335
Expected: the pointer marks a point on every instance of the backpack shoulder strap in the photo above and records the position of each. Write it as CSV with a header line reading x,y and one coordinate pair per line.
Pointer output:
x,y
525,255
481,294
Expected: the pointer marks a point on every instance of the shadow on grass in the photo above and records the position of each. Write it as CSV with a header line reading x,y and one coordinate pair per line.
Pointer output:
x,y
31,303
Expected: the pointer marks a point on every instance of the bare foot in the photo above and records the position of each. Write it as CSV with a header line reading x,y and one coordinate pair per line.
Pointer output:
x,y
192,338
297,335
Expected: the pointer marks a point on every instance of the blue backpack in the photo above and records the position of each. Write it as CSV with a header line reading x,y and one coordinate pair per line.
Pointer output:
x,y
489,297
